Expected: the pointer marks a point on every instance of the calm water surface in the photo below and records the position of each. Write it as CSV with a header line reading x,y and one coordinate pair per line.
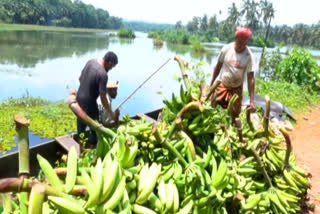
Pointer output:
x,y
48,64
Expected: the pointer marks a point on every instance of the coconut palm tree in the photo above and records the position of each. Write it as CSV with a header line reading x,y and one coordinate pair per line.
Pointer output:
x,y
250,11
267,13
234,15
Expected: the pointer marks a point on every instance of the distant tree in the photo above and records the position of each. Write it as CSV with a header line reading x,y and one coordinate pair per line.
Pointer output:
x,y
178,25
193,26
267,13
213,23
250,11
234,15
204,23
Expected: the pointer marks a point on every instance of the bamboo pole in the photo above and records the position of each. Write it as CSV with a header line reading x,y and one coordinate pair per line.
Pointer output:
x,y
78,111
183,71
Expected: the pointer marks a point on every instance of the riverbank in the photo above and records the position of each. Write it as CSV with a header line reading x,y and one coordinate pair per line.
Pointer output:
x,y
25,27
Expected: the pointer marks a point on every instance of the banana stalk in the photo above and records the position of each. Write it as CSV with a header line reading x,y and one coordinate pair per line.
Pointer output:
x,y
203,92
289,146
212,88
17,185
248,117
23,134
183,71
239,128
5,198
230,106
189,142
261,165
78,111
24,170
36,199
266,117
171,148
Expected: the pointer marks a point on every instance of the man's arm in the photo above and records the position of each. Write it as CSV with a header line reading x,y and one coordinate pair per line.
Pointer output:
x,y
216,72
107,105
251,85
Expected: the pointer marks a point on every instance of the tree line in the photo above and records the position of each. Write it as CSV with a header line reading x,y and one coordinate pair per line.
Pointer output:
x,y
64,13
258,16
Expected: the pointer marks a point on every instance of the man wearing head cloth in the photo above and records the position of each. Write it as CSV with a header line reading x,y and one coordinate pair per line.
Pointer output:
x,y
235,61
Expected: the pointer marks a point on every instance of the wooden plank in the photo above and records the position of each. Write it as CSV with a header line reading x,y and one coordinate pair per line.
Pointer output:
x,y
149,119
67,142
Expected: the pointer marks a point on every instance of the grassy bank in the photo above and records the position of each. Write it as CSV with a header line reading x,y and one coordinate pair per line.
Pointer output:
x,y
47,119
22,27
296,98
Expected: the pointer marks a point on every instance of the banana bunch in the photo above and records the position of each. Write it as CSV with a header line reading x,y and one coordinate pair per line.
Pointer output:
x,y
169,197
103,145
172,170
148,177
204,123
127,149
177,103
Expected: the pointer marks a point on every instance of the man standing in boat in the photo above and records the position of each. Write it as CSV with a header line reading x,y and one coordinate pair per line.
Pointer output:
x,y
93,83
234,61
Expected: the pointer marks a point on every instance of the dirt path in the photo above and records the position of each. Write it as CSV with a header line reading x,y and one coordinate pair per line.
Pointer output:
x,y
306,146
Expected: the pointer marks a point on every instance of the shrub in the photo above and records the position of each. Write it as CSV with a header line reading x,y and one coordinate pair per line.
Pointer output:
x,y
126,33
301,68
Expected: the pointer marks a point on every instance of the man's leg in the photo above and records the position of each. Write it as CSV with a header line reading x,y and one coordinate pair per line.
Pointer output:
x,y
81,127
93,139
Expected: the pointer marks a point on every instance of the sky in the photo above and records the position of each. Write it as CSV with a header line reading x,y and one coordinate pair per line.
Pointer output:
x,y
288,12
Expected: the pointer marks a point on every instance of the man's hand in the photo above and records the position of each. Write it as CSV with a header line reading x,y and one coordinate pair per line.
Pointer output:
x,y
252,106
115,115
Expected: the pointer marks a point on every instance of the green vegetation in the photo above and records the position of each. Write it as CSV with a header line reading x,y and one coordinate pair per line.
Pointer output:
x,y
252,13
157,42
48,119
292,95
126,33
57,13
198,47
146,26
301,68
291,80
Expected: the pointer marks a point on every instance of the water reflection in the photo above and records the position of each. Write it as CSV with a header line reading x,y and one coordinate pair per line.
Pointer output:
x,y
48,64
27,48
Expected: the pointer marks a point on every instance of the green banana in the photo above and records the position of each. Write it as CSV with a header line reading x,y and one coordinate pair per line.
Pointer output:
x,y
114,200
67,204
138,209
71,169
